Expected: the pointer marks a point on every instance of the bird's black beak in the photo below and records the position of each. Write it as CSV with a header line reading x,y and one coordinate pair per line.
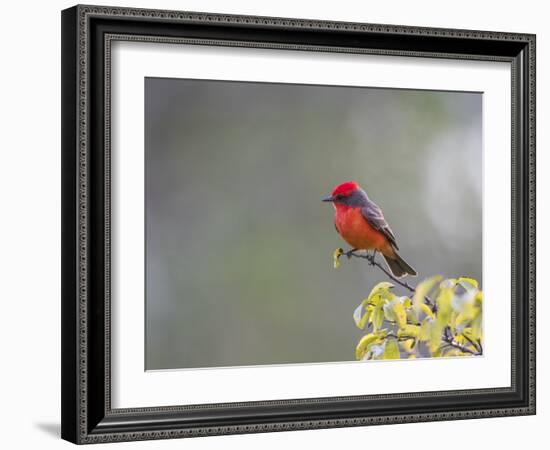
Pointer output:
x,y
329,199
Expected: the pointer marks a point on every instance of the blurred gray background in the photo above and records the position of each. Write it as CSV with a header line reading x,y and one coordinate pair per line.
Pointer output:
x,y
238,243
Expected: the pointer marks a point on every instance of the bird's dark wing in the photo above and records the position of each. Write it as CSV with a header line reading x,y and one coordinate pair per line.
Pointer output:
x,y
374,216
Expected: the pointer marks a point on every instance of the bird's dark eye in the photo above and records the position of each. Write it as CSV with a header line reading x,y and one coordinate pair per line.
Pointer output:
x,y
339,197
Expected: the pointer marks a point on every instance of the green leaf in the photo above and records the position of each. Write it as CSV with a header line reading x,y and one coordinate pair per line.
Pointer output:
x,y
378,314
376,350
443,316
388,312
478,300
410,330
408,345
412,317
427,310
449,283
460,322
477,332
381,290
436,331
444,306
399,313
407,302
365,302
391,351
363,343
426,329
361,316
423,289
450,351
468,283
367,342
395,312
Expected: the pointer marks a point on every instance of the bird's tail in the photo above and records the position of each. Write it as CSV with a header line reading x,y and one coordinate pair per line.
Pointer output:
x,y
398,266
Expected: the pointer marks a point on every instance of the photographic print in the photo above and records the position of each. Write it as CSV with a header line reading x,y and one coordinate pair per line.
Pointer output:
x,y
293,224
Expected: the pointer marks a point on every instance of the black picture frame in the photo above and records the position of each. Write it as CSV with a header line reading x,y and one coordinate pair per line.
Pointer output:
x,y
87,416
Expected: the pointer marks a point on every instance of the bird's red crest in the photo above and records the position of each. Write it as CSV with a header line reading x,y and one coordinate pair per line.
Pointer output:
x,y
345,188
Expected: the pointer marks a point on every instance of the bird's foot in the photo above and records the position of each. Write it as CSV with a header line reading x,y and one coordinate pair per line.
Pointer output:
x,y
371,258
350,253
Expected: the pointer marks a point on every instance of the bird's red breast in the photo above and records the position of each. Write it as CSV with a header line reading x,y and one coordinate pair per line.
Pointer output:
x,y
357,231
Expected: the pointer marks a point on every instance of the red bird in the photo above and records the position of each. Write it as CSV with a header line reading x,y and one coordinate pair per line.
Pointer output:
x,y
361,224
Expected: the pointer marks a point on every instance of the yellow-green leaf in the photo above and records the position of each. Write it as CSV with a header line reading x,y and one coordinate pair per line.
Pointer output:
x,y
363,343
477,333
412,317
444,306
468,283
361,316
427,310
408,345
399,313
376,350
368,343
469,338
436,331
407,302
478,300
381,290
423,289
388,312
410,330
366,302
391,350
336,257
449,283
426,329
378,314
460,321
450,351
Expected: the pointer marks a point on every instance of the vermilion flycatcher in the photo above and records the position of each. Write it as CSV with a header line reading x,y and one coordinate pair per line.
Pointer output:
x,y
361,224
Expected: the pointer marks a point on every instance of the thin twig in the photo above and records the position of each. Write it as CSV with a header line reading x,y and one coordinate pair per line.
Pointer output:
x,y
393,322
462,348
449,340
400,338
480,346
472,342
373,262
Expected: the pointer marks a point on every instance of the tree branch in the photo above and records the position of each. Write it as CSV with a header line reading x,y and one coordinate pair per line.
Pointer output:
x,y
400,338
373,262
476,346
449,340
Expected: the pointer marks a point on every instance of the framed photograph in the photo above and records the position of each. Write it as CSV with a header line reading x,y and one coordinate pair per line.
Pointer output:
x,y
277,224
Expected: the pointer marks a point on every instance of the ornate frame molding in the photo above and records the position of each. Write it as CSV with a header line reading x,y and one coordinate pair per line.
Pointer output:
x,y
84,421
